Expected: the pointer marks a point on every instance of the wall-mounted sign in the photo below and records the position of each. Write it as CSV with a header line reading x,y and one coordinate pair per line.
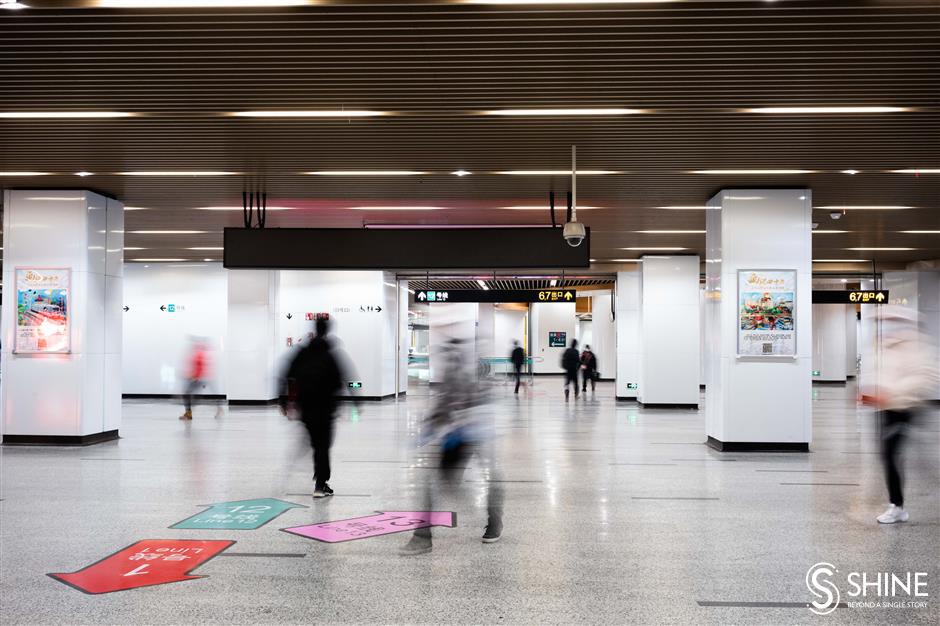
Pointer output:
x,y
855,296
766,312
557,339
497,295
355,384
42,310
817,373
145,563
374,525
631,386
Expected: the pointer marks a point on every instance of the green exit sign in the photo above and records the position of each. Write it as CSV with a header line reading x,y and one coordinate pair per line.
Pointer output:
x,y
355,384
631,385
816,373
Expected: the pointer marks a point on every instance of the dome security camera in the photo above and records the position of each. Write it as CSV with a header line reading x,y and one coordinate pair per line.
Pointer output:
x,y
835,215
574,233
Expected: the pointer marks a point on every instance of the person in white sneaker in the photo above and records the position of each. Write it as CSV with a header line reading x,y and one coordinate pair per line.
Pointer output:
x,y
899,382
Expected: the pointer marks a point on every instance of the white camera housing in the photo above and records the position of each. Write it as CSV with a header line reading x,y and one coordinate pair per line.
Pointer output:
x,y
835,215
574,233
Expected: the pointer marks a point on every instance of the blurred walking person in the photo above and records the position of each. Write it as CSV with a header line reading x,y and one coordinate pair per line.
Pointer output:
x,y
517,357
197,376
460,427
588,368
571,362
900,381
313,380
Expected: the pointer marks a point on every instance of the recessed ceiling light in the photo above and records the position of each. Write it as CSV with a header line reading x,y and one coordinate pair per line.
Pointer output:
x,y
332,113
863,207
686,208
132,248
841,260
829,232
207,248
13,5
656,248
461,173
155,260
58,198
512,2
837,109
555,172
881,249
395,208
28,115
916,171
545,208
198,4
852,172
750,198
208,260
136,208
24,173
167,232
560,112
921,232
482,285
83,173
553,282
671,232
366,173
752,172
239,208
177,173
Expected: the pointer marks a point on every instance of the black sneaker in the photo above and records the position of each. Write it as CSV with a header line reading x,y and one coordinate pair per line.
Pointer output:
x,y
492,533
326,488
322,492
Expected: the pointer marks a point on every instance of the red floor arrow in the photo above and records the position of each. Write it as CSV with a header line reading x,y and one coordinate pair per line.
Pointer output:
x,y
145,563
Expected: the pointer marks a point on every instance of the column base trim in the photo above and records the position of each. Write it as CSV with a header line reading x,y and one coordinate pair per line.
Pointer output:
x,y
757,446
666,405
829,382
60,440
626,398
232,402
167,396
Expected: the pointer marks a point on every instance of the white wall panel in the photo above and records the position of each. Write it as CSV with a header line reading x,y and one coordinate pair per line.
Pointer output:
x,y
829,342
604,335
547,318
628,332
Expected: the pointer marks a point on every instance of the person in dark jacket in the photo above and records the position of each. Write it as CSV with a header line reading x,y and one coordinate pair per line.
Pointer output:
x,y
588,368
571,362
313,380
518,360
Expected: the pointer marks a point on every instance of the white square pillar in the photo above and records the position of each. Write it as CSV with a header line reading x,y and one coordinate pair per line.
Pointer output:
x,y
72,396
628,334
759,401
250,369
669,321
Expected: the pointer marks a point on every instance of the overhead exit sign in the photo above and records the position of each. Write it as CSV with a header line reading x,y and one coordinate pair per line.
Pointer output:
x,y
497,295
850,296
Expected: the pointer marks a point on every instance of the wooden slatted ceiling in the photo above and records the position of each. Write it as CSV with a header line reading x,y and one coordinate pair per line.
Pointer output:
x,y
436,65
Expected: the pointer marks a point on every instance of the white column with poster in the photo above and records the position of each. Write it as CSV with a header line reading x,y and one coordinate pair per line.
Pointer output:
x,y
758,343
61,332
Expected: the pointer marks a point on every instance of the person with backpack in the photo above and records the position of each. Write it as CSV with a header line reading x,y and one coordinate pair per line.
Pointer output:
x,y
588,368
571,362
313,380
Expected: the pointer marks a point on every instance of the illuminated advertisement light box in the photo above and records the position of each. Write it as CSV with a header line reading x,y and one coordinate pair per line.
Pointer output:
x,y
42,310
766,313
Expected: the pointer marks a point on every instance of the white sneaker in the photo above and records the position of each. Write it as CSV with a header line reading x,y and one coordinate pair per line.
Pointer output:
x,y
893,515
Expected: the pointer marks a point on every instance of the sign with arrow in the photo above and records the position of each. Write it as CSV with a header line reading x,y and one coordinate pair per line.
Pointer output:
x,y
143,564
374,525
238,514
290,315
369,309
497,295
847,296
126,308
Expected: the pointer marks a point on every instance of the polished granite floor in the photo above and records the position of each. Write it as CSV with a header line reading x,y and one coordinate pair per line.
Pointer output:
x,y
614,514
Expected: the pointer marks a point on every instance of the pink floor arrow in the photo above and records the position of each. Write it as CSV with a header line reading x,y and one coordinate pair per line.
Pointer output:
x,y
374,525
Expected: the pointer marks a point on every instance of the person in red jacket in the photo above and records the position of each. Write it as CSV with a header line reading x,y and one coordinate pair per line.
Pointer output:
x,y
197,375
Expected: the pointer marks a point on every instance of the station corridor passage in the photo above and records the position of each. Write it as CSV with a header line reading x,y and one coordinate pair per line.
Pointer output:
x,y
614,514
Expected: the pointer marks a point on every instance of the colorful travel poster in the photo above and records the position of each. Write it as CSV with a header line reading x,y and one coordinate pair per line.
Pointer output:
x,y
42,310
766,312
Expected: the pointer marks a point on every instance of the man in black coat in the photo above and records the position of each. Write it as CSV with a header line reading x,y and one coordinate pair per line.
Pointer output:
x,y
571,363
518,360
314,379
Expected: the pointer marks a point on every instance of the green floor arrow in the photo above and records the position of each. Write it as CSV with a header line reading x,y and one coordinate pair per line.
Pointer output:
x,y
238,515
